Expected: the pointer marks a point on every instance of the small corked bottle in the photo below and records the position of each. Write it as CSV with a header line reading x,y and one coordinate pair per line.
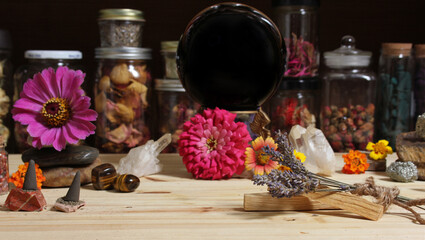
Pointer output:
x,y
4,168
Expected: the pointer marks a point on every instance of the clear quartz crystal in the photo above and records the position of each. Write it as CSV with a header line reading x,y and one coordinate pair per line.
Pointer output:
x,y
142,160
320,158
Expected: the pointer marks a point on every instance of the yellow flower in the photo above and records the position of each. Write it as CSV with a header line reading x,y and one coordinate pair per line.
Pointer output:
x,y
257,159
300,156
379,150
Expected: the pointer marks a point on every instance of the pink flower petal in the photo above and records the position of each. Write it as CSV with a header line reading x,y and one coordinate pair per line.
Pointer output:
x,y
59,142
27,104
50,78
49,136
36,129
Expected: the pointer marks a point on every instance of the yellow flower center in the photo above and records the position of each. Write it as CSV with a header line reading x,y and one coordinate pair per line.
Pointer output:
x,y
56,112
380,148
262,158
211,144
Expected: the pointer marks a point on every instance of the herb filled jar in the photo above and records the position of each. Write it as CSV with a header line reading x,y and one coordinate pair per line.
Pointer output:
x,y
297,101
122,92
174,108
120,27
419,84
4,168
396,66
6,86
348,97
37,60
168,51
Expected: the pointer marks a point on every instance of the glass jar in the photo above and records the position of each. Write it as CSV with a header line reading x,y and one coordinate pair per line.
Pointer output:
x,y
298,23
4,168
174,109
394,91
122,98
37,60
120,27
348,97
168,50
296,101
6,87
419,91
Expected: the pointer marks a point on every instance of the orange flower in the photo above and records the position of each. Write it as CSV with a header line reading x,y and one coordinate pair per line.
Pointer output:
x,y
355,162
257,159
18,177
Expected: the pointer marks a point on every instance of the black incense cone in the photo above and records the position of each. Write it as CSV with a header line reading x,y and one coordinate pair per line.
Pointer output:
x,y
30,182
73,193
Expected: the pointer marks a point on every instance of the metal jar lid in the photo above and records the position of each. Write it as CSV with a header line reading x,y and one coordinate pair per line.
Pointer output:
x,y
53,54
123,53
121,14
169,85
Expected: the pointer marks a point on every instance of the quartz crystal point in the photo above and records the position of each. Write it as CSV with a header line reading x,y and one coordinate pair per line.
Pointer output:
x,y
142,160
320,158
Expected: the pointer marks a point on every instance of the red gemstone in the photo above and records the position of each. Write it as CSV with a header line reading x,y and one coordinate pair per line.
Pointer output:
x,y
20,200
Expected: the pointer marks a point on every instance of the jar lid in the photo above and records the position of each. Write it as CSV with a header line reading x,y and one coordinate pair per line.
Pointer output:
x,y
420,50
121,14
169,46
394,49
169,85
123,53
347,55
53,54
277,3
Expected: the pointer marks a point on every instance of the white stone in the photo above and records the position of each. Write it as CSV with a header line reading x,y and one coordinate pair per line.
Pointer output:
x,y
142,160
320,158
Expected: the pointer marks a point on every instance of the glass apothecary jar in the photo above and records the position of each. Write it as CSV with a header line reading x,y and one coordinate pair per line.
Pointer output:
x,y
174,108
395,96
298,23
168,51
122,92
419,91
348,97
297,101
37,60
4,168
6,87
121,27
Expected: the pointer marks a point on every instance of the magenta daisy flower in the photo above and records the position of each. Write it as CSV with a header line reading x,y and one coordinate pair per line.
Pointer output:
x,y
55,109
212,144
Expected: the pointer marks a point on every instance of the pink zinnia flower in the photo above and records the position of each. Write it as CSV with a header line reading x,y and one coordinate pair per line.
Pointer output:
x,y
212,144
55,109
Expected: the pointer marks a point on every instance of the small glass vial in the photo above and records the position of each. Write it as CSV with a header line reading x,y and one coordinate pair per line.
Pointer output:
x,y
298,23
419,91
174,109
4,168
348,97
121,27
394,109
37,60
168,50
122,90
296,102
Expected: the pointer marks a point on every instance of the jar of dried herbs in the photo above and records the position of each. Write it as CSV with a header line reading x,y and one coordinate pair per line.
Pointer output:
x,y
6,86
4,168
394,114
298,23
168,50
348,97
174,108
37,60
120,27
419,91
122,90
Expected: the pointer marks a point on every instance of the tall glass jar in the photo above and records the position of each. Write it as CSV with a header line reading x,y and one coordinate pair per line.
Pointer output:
x,y
122,89
174,108
296,101
37,60
394,91
4,168
298,23
419,91
348,97
6,87
168,50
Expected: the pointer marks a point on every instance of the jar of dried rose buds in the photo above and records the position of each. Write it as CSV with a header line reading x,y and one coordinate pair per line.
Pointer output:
x,y
174,108
121,27
348,97
122,93
37,60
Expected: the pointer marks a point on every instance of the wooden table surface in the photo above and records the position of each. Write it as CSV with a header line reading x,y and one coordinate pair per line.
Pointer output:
x,y
173,205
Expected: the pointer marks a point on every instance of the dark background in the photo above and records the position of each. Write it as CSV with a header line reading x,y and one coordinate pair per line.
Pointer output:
x,y
72,24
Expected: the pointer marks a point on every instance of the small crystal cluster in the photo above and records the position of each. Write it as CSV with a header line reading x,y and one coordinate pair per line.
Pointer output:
x,y
402,171
290,182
